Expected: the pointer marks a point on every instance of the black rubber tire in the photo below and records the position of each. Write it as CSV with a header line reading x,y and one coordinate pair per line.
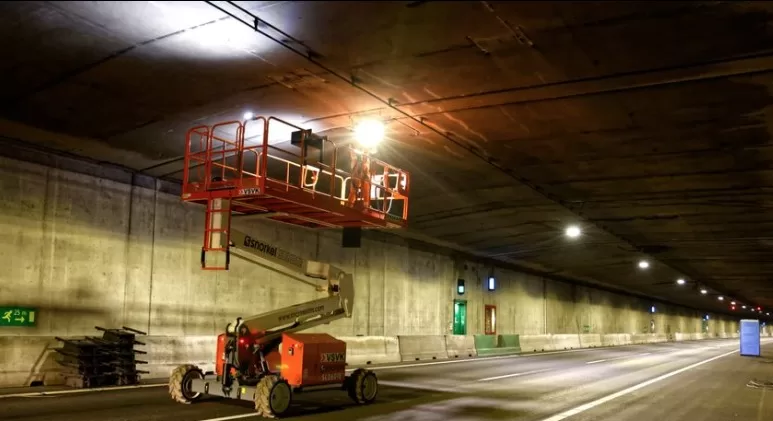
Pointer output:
x,y
358,382
177,381
263,402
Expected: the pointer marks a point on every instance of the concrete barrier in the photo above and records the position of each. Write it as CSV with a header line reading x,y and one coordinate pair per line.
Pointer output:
x,y
364,350
590,340
460,346
485,344
422,347
28,359
566,341
509,344
649,338
616,339
536,343
497,344
165,353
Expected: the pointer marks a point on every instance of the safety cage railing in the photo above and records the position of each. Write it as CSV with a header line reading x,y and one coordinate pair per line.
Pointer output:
x,y
236,159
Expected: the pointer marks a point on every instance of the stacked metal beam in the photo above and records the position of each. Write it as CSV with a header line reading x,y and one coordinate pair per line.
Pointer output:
x,y
106,361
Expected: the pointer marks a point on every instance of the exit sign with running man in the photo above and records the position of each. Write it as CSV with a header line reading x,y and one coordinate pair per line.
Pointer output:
x,y
18,317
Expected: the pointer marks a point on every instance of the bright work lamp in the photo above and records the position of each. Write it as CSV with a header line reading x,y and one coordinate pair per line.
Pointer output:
x,y
369,133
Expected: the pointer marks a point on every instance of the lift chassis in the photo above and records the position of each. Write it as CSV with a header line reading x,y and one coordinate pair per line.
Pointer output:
x,y
264,360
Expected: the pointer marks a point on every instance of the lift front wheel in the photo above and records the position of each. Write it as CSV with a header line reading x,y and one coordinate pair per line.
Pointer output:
x,y
272,399
180,383
363,386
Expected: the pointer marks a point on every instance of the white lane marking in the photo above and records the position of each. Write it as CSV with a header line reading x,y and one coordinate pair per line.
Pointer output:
x,y
590,405
525,373
67,392
466,360
623,357
232,417
418,386
565,351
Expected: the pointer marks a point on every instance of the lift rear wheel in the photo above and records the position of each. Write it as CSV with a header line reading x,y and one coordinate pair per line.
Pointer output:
x,y
180,383
363,386
272,397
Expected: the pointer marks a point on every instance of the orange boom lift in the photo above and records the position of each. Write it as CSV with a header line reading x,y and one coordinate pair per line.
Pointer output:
x,y
263,358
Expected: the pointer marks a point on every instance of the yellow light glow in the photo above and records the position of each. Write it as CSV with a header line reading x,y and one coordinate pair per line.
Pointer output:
x,y
369,133
573,231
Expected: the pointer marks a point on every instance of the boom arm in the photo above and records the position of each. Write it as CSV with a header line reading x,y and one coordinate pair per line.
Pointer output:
x,y
270,325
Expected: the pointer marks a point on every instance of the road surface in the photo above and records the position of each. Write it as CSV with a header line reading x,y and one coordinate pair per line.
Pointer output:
x,y
686,381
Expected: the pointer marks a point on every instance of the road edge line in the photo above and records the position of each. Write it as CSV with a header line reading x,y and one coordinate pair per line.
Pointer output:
x,y
68,392
590,405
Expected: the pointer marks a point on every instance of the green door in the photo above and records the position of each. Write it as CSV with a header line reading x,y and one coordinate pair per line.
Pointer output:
x,y
460,317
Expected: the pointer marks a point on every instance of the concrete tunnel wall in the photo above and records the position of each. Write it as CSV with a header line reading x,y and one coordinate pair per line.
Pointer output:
x,y
91,252
530,305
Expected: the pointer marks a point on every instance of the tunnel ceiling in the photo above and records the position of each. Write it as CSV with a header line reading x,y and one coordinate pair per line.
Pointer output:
x,y
644,122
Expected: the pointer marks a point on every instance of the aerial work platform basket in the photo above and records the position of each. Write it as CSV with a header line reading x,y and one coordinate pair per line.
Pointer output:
x,y
238,168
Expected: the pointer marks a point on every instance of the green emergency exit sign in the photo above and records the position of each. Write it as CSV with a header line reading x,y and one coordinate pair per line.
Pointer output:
x,y
18,316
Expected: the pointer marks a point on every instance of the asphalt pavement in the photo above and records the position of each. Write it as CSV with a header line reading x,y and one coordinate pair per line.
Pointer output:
x,y
686,381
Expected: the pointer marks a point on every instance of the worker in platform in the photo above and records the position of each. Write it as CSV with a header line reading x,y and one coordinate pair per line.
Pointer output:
x,y
359,193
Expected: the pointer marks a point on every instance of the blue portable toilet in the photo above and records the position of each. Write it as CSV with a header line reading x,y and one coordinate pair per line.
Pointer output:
x,y
750,338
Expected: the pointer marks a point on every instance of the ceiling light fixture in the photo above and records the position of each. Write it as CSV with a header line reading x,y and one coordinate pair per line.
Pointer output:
x,y
248,115
369,133
680,281
732,303
573,231
643,264
704,291
721,298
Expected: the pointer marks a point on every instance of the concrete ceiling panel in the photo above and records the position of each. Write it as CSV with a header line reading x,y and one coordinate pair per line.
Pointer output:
x,y
645,122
